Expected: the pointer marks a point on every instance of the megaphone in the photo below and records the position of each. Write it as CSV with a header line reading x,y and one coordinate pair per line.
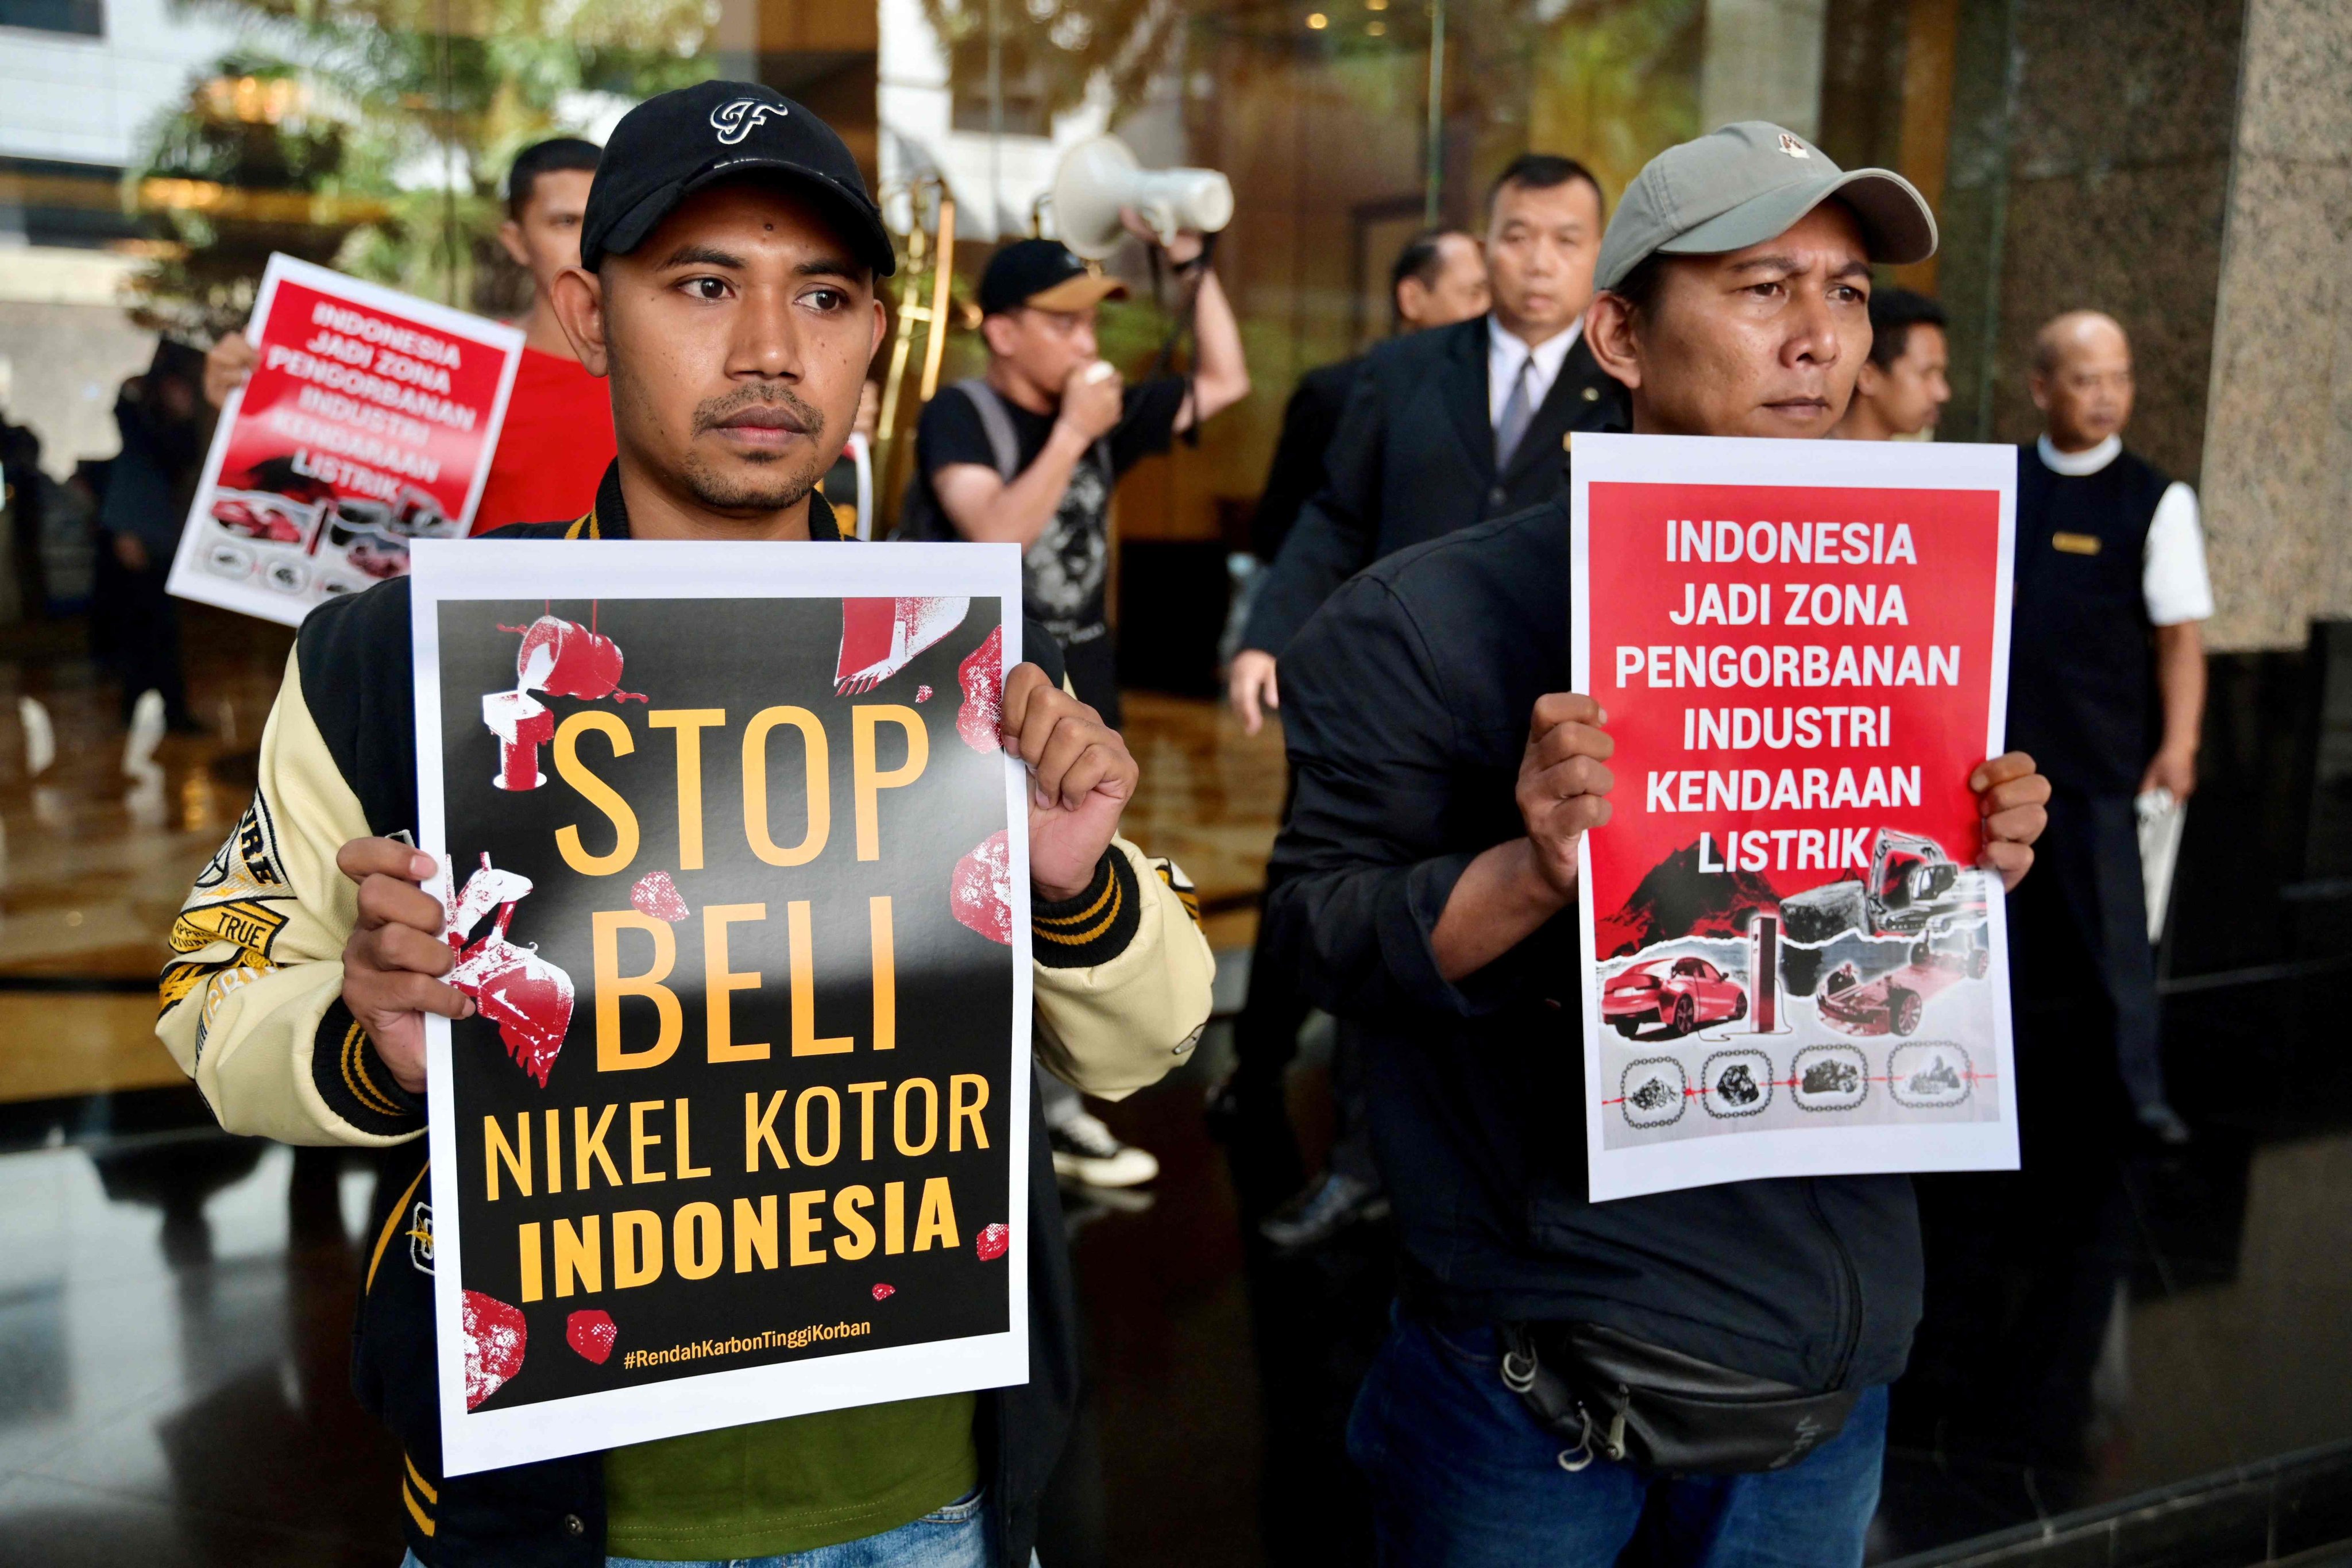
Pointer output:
x,y
1101,176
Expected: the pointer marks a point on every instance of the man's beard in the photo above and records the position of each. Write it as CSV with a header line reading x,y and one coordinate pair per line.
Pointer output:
x,y
771,482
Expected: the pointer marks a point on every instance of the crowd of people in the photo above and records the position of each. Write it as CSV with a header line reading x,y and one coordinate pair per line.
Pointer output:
x,y
1422,887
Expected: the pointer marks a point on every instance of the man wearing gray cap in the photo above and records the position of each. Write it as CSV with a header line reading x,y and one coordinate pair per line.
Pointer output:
x,y
1694,1377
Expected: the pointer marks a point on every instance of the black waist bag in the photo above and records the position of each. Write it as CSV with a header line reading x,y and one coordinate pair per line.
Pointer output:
x,y
1618,1397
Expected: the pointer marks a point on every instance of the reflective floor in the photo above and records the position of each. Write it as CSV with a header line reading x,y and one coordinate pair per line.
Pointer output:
x,y
175,1305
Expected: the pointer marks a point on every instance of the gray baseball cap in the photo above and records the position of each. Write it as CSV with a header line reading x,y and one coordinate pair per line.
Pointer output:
x,y
1742,185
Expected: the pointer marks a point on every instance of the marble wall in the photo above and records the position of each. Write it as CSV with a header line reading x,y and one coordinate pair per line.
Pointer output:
x,y
2278,431
2090,167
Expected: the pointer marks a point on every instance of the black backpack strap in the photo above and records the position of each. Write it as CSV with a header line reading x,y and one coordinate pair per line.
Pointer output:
x,y
996,421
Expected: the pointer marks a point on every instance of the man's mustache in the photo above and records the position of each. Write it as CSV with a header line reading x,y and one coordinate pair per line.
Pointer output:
x,y
718,411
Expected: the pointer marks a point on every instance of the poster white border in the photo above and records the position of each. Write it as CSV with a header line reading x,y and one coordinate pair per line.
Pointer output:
x,y
1813,466
446,570
188,580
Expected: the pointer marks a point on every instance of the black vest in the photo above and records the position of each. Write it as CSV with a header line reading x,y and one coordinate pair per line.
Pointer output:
x,y
2082,678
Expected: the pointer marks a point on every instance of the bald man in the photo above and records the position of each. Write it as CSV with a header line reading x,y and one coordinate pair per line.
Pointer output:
x,y
2107,676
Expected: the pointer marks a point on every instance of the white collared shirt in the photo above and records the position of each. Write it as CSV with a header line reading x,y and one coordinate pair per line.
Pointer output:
x,y
1506,353
2172,579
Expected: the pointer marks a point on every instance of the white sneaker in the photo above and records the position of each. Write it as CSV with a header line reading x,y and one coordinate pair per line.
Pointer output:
x,y
1087,1151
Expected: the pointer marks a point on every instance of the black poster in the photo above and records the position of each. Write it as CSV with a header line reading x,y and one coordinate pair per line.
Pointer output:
x,y
733,1133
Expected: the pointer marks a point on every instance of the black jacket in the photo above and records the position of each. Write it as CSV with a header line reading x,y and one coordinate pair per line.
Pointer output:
x,y
1405,705
1414,459
1310,421
550,1514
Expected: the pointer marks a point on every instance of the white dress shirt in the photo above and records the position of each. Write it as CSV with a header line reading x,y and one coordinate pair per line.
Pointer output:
x,y
2172,577
1506,353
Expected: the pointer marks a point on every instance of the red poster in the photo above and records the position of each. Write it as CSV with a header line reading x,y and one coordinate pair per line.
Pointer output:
x,y
1792,966
368,422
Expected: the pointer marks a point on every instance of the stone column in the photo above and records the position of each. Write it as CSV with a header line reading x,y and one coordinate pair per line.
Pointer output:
x,y
2278,427
1763,62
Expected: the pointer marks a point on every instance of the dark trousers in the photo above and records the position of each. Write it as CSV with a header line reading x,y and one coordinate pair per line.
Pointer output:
x,y
141,634
1462,1476
1266,1039
2080,924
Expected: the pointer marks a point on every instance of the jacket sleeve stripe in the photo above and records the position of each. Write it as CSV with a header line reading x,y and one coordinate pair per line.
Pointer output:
x,y
1093,928
1108,892
1079,938
425,1488
355,1073
423,1520
353,1081
1185,893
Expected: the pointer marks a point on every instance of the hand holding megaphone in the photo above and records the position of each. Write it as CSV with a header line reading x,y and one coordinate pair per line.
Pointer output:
x,y
1100,184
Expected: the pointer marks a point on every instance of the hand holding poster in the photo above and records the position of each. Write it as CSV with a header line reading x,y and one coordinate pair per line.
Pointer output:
x,y
1794,967
740,895
369,421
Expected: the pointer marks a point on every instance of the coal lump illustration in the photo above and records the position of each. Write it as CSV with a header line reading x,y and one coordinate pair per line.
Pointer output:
x,y
1738,1083
1829,1078
1927,1074
1653,1091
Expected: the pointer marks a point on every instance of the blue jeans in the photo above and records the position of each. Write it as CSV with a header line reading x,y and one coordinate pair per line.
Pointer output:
x,y
1462,1476
953,1537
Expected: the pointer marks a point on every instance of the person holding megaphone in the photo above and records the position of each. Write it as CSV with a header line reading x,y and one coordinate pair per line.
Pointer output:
x,y
1031,451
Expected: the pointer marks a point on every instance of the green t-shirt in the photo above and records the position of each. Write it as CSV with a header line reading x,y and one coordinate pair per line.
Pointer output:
x,y
790,1486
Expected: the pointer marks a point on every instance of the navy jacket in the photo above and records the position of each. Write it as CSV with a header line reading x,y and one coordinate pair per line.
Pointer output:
x,y
1414,459
1405,706
1310,420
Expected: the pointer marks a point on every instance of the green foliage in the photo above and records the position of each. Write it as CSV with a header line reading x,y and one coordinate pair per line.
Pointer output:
x,y
396,119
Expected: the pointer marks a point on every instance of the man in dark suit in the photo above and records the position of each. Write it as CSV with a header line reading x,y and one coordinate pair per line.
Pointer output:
x,y
1438,279
1447,428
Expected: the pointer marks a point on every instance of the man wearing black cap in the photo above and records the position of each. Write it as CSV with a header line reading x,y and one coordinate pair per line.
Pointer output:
x,y
1031,451
1698,1376
726,290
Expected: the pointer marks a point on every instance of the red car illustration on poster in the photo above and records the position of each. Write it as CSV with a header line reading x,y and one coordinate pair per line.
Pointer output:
x,y
1684,993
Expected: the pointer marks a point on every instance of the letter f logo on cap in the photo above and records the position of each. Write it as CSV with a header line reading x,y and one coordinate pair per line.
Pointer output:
x,y
735,119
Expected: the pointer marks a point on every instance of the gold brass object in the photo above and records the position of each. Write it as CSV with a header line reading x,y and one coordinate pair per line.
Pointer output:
x,y
930,260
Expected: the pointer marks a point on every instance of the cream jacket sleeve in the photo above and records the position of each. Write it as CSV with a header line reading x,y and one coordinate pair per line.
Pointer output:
x,y
252,1000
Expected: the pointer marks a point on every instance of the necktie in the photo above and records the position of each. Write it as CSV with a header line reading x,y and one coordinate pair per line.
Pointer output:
x,y
1519,408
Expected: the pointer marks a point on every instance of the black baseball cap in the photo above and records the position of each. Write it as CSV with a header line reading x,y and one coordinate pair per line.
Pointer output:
x,y
672,145
1044,273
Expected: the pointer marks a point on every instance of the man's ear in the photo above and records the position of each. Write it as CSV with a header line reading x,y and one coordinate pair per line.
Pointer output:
x,y
1412,295
579,299
511,237
881,329
1609,329
1868,383
997,331
2039,385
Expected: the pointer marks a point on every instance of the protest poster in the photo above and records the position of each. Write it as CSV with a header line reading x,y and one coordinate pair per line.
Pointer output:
x,y
737,874
1791,966
368,422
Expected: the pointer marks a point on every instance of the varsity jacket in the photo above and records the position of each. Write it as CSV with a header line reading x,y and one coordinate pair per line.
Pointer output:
x,y
252,1010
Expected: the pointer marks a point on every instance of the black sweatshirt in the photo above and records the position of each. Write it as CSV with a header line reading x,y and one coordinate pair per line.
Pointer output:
x,y
1405,704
